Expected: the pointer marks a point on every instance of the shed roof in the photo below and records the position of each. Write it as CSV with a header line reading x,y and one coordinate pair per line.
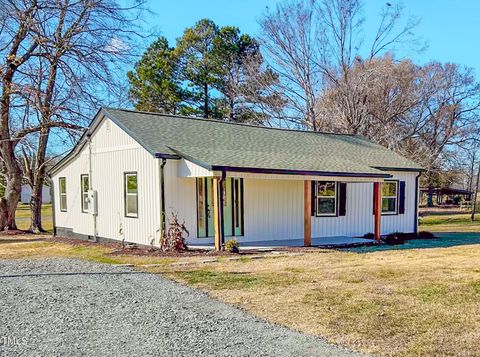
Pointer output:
x,y
216,144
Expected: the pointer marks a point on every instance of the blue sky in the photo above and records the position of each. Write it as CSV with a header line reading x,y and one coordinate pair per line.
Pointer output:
x,y
450,28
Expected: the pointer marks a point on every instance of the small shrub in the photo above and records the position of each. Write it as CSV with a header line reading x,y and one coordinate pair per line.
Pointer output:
x,y
395,238
174,238
426,235
232,246
369,236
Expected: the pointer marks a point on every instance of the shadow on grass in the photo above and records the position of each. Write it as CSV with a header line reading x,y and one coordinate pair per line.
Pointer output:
x,y
21,240
442,240
34,275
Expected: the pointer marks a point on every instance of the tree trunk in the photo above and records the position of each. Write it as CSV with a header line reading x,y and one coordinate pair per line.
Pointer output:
x,y
205,103
430,192
8,203
38,182
474,205
36,210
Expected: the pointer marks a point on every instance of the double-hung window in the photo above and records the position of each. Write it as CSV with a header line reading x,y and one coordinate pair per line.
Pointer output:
x,y
85,186
326,198
131,194
389,197
62,183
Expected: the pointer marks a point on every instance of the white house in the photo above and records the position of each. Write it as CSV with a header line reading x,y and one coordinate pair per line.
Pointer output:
x,y
131,169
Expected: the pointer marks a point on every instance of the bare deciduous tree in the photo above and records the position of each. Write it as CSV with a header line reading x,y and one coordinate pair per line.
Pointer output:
x,y
61,58
313,45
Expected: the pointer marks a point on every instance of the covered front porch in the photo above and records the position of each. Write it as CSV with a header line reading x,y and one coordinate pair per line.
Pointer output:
x,y
286,219
320,242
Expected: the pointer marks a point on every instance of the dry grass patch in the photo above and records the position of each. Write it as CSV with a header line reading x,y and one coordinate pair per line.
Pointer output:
x,y
31,246
403,303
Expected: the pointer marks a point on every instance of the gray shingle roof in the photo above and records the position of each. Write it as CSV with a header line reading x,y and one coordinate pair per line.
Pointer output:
x,y
214,144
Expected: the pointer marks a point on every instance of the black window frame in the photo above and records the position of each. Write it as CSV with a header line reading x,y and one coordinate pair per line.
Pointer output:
x,y
397,198
82,193
125,174
62,209
316,197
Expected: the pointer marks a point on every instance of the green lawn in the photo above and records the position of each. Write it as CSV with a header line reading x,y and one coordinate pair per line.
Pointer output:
x,y
450,223
23,217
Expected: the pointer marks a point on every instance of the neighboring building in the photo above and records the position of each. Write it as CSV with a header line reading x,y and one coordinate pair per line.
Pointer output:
x,y
26,194
446,195
131,167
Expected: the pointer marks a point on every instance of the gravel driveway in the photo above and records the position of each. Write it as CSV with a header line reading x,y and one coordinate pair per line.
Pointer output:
x,y
64,307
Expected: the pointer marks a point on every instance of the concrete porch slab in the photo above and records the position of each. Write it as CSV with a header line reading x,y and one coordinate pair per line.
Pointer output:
x,y
269,244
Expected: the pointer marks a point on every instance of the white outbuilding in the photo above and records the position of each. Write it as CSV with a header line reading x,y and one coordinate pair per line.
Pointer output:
x,y
131,169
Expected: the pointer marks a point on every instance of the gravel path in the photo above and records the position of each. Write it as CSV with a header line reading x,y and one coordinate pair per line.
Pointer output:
x,y
64,307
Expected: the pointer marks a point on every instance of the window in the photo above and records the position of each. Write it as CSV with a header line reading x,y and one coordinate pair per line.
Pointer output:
x,y
85,186
389,197
326,198
62,183
131,194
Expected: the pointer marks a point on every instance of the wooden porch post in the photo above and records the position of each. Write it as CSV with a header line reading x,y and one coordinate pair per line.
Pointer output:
x,y
307,217
377,209
217,213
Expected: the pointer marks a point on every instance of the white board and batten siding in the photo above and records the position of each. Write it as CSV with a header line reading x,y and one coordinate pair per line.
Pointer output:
x,y
274,210
113,153
273,205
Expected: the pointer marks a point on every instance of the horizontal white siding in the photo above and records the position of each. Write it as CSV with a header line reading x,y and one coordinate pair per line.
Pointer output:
x,y
113,153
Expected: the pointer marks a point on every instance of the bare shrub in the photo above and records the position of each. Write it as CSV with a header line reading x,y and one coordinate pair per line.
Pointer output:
x,y
173,239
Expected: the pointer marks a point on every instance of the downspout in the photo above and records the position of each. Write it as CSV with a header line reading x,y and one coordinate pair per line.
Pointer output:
x,y
161,167
90,185
221,182
417,202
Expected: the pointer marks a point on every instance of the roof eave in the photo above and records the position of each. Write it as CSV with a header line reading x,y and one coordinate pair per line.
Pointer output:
x,y
298,172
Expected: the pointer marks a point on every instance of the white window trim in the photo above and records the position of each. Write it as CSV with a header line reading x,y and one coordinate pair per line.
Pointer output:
x,y
84,193
334,214
125,178
388,213
62,209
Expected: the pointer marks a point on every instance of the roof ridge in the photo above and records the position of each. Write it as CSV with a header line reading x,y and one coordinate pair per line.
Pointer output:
x,y
210,120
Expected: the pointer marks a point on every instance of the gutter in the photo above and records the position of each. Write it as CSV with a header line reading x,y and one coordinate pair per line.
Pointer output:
x,y
417,202
221,210
90,185
297,172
